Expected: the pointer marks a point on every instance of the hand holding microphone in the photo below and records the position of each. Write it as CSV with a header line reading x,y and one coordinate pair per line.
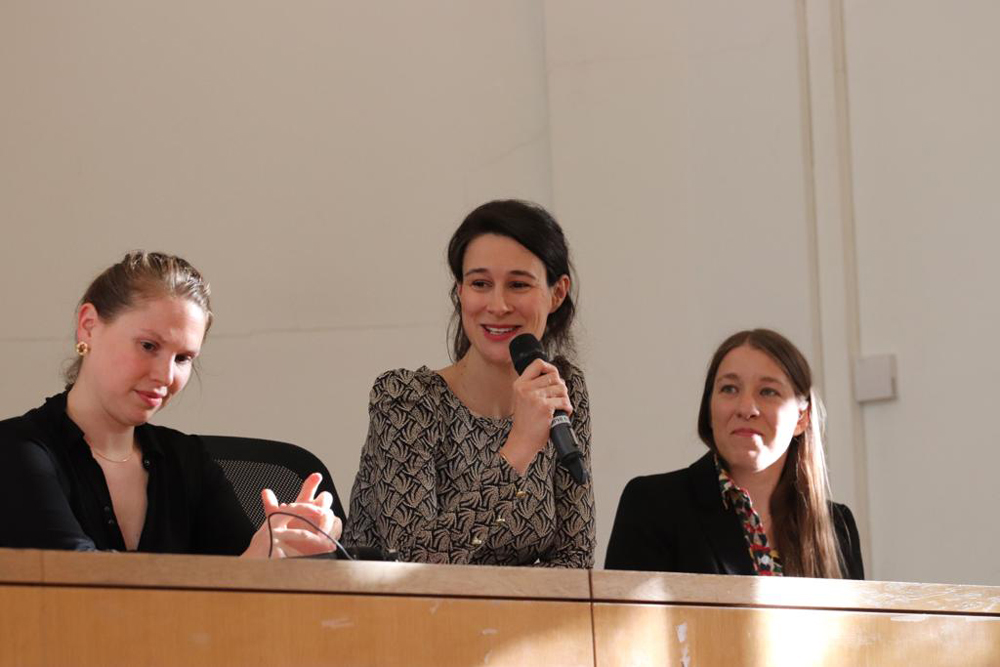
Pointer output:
x,y
540,392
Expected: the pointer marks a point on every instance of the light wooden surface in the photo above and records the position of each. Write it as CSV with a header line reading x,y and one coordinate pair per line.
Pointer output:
x,y
331,576
640,634
20,565
659,587
62,608
96,627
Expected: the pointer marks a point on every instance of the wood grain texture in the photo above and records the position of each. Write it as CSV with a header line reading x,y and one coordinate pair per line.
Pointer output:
x,y
18,565
637,635
138,609
96,627
20,626
215,572
793,592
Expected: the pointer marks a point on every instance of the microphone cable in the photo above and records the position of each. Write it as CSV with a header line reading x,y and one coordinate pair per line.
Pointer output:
x,y
270,534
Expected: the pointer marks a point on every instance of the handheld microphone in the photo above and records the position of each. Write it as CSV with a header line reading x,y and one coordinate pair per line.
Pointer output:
x,y
523,350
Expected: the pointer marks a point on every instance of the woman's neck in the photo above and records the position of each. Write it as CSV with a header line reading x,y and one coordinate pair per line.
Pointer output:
x,y
760,484
102,433
485,388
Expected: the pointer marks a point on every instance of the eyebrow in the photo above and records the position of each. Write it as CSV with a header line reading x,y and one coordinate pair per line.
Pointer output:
x,y
149,333
734,376
515,272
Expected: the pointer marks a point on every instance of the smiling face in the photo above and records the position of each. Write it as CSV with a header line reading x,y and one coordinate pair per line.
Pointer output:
x,y
754,410
140,359
504,293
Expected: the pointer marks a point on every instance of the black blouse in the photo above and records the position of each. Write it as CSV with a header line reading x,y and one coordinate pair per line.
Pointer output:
x,y
56,497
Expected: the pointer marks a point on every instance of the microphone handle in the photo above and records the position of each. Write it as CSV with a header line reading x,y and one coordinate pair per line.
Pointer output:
x,y
562,438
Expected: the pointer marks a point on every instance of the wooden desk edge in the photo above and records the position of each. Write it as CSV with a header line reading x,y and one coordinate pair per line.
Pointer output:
x,y
705,589
29,566
134,570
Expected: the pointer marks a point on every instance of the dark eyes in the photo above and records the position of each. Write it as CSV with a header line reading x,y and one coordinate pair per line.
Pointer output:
x,y
151,347
768,392
485,284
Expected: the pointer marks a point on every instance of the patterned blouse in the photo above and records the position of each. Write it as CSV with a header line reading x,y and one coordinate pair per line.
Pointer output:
x,y
766,559
433,488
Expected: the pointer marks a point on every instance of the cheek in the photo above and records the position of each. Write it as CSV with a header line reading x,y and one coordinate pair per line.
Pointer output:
x,y
181,377
536,309
785,420
717,411
469,303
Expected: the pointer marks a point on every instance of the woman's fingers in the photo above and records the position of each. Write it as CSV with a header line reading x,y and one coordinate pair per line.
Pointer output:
x,y
309,486
551,390
293,541
325,500
537,368
271,506
312,516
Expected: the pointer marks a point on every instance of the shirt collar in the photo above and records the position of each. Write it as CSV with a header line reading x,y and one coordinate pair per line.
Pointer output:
x,y
731,492
67,430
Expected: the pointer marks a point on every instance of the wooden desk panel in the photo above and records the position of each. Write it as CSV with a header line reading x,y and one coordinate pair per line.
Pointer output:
x,y
648,634
20,626
99,627
61,608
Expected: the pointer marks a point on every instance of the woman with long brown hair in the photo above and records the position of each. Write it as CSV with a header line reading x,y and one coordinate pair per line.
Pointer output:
x,y
759,501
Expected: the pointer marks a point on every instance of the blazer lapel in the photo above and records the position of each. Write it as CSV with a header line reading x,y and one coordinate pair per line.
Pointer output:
x,y
721,526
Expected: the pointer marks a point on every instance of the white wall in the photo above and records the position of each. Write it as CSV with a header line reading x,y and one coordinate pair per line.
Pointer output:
x,y
677,166
817,166
924,104
311,158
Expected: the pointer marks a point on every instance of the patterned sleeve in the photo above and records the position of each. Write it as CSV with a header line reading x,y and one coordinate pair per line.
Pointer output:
x,y
394,502
575,522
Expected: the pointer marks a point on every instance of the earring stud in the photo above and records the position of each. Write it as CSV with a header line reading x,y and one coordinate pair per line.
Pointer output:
x,y
82,348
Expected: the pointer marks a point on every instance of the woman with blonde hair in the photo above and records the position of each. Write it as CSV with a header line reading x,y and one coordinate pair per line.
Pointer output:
x,y
86,471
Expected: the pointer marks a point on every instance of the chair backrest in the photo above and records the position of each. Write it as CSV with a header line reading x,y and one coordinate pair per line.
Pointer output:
x,y
252,464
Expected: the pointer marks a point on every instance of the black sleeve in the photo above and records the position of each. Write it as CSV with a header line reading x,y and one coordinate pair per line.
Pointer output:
x,y
635,542
850,542
38,510
221,525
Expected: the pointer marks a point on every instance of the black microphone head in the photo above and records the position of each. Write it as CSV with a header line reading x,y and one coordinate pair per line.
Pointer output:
x,y
523,350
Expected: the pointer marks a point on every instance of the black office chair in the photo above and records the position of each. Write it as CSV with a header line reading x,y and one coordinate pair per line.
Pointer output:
x,y
251,464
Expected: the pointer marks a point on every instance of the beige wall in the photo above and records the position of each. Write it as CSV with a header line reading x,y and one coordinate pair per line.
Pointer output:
x,y
312,159
818,166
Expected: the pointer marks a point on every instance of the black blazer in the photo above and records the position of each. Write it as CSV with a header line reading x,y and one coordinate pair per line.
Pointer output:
x,y
676,522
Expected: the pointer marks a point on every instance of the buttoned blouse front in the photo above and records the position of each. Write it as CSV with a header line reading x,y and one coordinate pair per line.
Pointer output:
x,y
432,486
57,496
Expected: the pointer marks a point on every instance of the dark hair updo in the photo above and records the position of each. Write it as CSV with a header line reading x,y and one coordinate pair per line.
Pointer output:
x,y
534,228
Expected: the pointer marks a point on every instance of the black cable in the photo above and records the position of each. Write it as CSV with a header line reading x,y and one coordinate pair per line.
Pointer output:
x,y
270,533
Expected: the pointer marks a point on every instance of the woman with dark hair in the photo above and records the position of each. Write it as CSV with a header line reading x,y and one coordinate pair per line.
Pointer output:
x,y
456,467
758,502
86,471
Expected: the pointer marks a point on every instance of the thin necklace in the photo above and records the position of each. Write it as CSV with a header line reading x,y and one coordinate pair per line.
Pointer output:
x,y
108,458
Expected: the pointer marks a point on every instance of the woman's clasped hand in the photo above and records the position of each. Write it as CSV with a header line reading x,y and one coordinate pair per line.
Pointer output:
x,y
302,528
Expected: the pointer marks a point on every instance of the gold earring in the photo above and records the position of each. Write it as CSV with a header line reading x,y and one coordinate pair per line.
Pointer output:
x,y
82,348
